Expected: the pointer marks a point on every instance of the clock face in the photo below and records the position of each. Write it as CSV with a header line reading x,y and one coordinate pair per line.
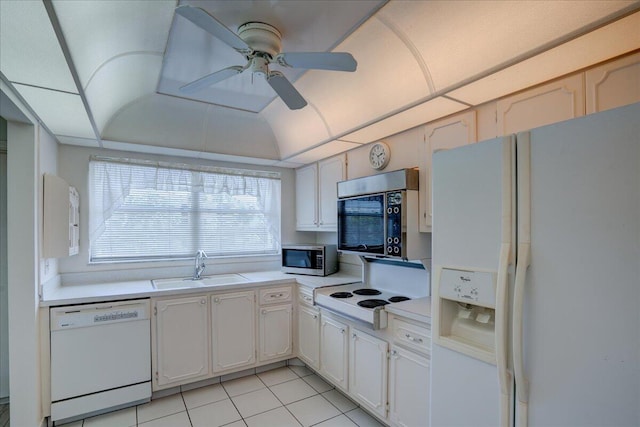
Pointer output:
x,y
379,156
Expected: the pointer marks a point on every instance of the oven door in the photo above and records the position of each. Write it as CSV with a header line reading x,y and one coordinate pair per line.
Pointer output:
x,y
362,224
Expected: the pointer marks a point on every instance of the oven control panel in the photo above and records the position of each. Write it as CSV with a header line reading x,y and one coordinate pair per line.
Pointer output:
x,y
393,244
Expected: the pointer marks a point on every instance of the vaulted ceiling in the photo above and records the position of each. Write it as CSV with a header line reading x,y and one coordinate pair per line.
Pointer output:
x,y
107,73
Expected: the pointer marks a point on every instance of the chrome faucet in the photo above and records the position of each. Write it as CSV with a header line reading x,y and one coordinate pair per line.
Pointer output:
x,y
199,267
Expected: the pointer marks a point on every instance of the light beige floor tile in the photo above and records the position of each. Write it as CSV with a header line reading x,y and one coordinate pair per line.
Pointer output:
x,y
341,421
236,424
243,385
292,391
313,410
204,395
278,417
339,400
160,408
214,414
363,419
301,371
277,376
121,418
181,419
253,403
318,383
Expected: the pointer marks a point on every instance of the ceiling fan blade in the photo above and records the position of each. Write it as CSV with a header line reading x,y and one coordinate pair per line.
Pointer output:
x,y
285,90
204,20
335,61
211,79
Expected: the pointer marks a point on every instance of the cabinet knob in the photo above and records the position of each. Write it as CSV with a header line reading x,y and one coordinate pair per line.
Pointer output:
x,y
203,301
394,353
264,311
410,338
276,295
354,336
315,316
216,300
342,331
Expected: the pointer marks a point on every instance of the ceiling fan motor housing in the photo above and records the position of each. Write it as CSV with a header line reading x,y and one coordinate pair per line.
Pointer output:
x,y
261,37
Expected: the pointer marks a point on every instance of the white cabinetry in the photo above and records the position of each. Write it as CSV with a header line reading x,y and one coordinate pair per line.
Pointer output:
x,y
181,340
550,103
408,388
61,237
308,330
613,84
334,362
368,371
276,324
445,134
233,330
316,194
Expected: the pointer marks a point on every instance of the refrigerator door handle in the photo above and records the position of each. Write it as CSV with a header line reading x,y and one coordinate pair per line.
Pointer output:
x,y
522,385
502,312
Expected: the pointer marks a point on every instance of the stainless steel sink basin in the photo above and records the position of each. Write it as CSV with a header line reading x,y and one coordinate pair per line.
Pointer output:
x,y
182,283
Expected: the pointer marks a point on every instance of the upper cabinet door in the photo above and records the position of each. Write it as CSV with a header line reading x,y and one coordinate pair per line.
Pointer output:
x,y
307,197
441,135
613,84
330,172
551,103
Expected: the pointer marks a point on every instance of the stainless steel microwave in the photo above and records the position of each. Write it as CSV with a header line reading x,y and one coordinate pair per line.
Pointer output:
x,y
315,260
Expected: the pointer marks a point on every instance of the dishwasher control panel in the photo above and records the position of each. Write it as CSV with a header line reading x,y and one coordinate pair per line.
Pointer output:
x,y
98,314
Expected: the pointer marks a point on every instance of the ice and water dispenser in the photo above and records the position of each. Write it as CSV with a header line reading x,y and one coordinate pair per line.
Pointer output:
x,y
465,312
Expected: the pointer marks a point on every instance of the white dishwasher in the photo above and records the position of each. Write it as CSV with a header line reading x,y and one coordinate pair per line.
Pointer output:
x,y
100,357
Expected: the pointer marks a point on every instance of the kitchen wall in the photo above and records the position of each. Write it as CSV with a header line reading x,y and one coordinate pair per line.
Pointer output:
x,y
73,164
24,139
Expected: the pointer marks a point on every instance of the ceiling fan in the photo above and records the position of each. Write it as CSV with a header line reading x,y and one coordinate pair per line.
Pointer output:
x,y
260,44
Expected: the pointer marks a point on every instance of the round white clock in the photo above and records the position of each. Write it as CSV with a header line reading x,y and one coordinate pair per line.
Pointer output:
x,y
379,155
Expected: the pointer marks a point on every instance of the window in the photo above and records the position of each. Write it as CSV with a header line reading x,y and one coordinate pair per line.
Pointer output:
x,y
142,211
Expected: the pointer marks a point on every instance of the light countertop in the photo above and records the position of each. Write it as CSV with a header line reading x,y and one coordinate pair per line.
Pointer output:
x,y
418,309
58,294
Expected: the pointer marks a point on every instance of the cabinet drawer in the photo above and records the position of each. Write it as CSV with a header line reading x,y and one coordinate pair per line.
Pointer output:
x,y
412,335
268,296
305,295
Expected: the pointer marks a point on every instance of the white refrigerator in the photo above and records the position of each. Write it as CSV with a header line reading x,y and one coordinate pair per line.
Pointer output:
x,y
536,277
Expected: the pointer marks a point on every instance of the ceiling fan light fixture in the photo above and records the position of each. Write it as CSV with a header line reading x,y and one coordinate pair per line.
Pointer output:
x,y
261,37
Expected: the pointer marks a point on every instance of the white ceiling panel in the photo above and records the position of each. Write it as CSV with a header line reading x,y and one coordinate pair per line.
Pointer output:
x,y
322,152
306,26
423,113
607,42
388,78
62,112
99,30
296,130
120,82
460,39
29,50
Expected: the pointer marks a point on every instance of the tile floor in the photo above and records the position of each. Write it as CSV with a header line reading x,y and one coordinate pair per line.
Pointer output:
x,y
283,397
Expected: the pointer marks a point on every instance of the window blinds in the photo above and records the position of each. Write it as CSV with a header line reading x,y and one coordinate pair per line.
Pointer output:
x,y
157,211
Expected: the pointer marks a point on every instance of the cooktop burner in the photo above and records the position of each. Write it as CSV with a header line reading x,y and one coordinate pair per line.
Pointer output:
x,y
341,295
372,303
399,299
367,291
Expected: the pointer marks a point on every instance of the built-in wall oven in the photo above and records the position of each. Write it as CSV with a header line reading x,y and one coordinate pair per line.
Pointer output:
x,y
378,215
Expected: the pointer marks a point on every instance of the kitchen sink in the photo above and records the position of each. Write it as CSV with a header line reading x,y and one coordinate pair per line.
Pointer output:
x,y
182,283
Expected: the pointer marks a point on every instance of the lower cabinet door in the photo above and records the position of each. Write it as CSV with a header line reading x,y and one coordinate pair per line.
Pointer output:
x,y
334,351
408,388
309,335
368,371
276,338
181,340
233,322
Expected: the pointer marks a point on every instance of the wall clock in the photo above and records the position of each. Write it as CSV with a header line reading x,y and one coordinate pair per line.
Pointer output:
x,y
379,155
